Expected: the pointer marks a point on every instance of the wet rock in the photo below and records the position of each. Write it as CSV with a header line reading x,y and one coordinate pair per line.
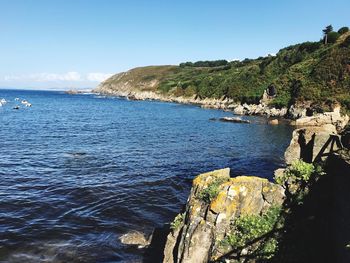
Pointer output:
x,y
273,122
135,238
233,119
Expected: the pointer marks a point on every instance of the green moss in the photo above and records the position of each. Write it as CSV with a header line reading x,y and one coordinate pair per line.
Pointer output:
x,y
211,192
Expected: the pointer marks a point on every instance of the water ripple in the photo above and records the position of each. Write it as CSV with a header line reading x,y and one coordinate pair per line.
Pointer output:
x,y
77,172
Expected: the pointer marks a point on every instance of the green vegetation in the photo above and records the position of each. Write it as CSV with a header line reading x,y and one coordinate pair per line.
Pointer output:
x,y
298,178
332,37
312,71
343,30
299,171
211,192
255,233
179,219
207,63
263,237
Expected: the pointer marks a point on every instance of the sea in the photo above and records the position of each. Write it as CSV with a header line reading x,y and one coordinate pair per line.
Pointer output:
x,y
79,171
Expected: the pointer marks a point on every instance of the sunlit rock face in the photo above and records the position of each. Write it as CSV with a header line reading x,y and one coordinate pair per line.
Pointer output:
x,y
215,201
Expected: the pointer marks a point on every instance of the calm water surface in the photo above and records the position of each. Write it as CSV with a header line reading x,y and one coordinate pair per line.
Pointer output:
x,y
79,171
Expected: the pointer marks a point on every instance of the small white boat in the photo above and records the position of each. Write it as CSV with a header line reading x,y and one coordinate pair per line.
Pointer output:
x,y
26,103
3,101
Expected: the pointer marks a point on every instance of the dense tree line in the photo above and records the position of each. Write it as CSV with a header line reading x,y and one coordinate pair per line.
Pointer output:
x,y
206,63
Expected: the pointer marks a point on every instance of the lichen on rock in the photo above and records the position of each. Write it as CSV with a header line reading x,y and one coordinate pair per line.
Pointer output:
x,y
206,224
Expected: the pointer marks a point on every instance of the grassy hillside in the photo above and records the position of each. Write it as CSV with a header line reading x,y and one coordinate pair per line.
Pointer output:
x,y
310,71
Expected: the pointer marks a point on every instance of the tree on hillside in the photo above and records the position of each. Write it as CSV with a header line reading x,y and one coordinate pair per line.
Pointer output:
x,y
343,30
332,37
326,31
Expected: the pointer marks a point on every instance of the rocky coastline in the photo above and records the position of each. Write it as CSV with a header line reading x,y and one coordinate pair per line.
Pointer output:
x,y
233,219
208,228
240,219
291,114
207,103
219,207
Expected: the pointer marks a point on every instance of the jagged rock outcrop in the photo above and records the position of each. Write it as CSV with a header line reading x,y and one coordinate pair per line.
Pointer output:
x,y
215,201
310,141
333,118
307,142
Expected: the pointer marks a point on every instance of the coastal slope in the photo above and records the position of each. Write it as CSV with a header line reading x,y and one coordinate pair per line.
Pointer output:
x,y
312,75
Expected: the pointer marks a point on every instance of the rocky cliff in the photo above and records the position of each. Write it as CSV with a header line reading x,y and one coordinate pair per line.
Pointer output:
x,y
201,232
251,219
314,136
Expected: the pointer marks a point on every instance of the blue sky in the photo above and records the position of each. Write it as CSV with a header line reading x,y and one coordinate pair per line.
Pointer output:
x,y
77,43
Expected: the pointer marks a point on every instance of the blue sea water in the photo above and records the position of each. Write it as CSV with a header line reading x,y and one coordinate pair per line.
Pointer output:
x,y
78,171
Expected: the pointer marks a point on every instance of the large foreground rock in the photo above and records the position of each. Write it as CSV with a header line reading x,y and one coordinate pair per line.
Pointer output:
x,y
206,223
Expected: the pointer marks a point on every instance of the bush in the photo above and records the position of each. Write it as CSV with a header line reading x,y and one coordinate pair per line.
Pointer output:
x,y
310,46
299,171
346,103
343,30
250,227
250,99
332,37
281,101
190,91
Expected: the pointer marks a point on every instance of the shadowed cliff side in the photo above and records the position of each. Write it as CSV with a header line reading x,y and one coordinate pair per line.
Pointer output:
x,y
318,230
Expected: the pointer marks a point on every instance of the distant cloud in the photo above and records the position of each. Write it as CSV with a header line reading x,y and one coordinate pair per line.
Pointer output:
x,y
44,77
97,76
71,76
